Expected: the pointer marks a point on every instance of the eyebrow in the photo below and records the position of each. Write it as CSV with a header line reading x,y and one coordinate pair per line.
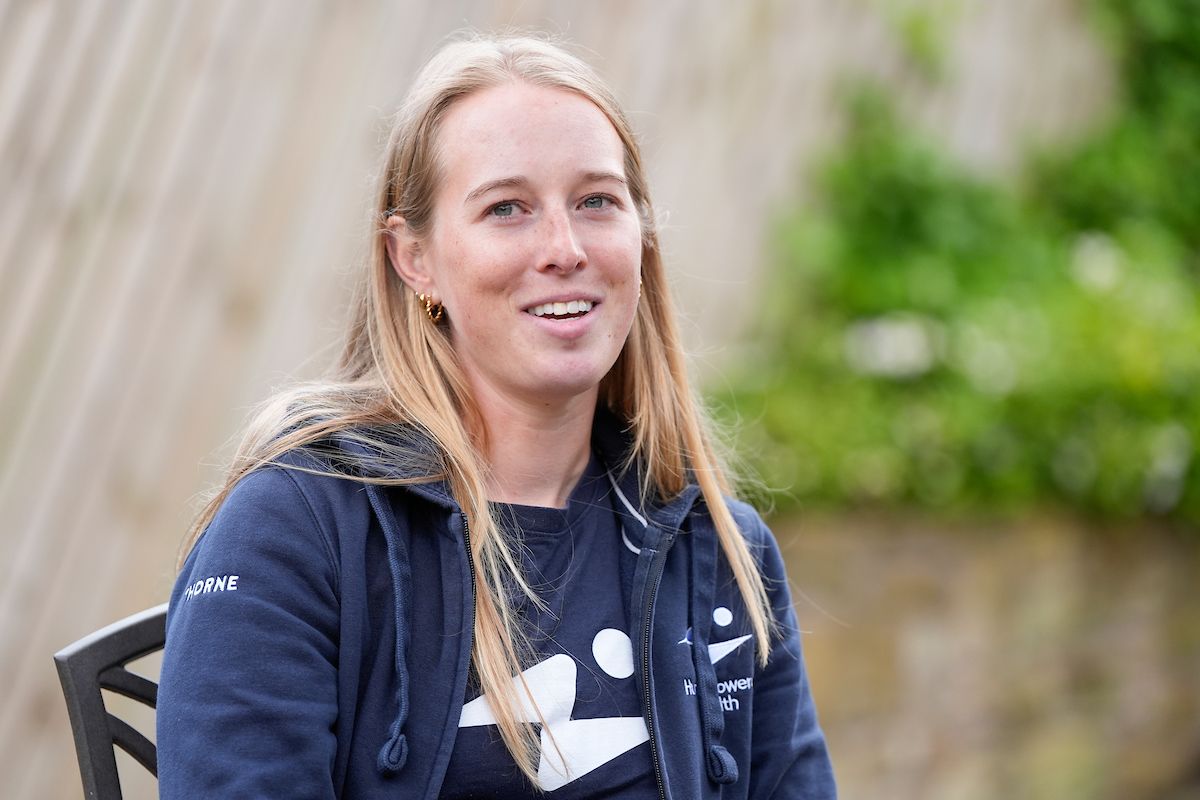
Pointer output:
x,y
520,180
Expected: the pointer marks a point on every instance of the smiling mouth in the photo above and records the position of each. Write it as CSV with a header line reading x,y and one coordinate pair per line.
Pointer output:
x,y
572,309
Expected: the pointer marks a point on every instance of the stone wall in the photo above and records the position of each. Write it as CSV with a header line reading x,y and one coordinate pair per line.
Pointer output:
x,y
1033,659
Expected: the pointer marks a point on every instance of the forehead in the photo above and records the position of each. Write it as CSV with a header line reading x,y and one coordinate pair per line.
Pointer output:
x,y
519,129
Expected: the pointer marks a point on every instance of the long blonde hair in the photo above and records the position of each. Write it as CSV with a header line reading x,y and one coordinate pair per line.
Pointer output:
x,y
398,369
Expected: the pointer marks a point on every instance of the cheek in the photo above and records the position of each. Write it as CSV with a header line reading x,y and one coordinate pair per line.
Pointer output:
x,y
623,254
469,272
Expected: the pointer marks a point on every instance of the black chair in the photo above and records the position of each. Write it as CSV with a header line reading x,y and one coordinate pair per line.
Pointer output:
x,y
98,662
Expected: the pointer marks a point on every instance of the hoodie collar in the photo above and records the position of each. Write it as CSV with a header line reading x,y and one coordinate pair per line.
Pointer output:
x,y
613,440
371,462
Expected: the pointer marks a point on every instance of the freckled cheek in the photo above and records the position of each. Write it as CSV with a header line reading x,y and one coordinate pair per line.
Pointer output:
x,y
481,317
622,261
480,279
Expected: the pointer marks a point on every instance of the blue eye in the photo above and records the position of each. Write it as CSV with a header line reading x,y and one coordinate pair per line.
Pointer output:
x,y
503,209
595,201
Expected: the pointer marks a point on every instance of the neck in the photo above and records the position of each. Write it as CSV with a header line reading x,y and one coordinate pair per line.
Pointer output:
x,y
536,451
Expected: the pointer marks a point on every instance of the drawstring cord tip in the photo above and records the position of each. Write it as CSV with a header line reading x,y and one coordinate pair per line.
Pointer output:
x,y
394,752
722,768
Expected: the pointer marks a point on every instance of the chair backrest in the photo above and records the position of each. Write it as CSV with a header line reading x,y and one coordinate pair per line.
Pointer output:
x,y
96,662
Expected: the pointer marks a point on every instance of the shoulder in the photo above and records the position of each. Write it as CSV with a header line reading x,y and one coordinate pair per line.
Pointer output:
x,y
266,517
755,530
292,508
760,540
749,522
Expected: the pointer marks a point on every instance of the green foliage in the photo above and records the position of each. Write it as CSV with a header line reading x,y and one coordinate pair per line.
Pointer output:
x,y
1146,164
937,339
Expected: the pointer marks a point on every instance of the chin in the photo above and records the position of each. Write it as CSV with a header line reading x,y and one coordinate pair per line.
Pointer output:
x,y
565,384
566,390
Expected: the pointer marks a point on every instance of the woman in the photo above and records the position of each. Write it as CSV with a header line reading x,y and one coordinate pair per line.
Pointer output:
x,y
493,556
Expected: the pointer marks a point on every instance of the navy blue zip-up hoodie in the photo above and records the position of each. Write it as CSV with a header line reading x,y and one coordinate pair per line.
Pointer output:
x,y
319,639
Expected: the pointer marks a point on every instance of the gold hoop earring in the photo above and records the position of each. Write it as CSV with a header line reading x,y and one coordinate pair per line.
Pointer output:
x,y
432,310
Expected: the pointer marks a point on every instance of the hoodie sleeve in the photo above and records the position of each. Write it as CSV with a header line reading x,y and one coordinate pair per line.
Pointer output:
x,y
789,758
248,692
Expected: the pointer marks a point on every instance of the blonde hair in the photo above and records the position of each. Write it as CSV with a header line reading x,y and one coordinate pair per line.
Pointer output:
x,y
397,368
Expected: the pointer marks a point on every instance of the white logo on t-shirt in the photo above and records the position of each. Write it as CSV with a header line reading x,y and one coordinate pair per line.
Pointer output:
x,y
570,748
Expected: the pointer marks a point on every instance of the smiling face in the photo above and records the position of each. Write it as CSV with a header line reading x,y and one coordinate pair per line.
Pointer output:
x,y
535,243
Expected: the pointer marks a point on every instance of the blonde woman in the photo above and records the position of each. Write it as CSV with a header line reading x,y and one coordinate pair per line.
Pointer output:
x,y
495,554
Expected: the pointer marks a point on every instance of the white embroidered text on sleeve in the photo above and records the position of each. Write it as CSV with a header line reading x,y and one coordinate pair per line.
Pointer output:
x,y
214,583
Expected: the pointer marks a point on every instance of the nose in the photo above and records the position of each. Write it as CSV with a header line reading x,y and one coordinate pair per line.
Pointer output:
x,y
562,250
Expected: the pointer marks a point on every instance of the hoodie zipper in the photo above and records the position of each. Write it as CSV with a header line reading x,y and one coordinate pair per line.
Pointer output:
x,y
471,567
656,570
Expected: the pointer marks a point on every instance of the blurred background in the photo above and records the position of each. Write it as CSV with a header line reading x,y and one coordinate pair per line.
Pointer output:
x,y
939,261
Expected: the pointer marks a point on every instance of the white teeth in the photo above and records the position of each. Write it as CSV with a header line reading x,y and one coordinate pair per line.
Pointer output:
x,y
562,309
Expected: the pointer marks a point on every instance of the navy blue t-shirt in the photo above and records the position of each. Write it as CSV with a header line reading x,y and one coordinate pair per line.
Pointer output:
x,y
582,677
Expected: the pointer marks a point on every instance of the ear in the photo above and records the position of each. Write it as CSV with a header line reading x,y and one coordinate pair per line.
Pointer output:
x,y
406,256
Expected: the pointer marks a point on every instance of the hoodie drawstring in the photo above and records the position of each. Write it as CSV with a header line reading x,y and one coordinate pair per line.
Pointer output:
x,y
394,752
721,766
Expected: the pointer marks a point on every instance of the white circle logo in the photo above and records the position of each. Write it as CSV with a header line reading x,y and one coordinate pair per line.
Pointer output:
x,y
613,652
